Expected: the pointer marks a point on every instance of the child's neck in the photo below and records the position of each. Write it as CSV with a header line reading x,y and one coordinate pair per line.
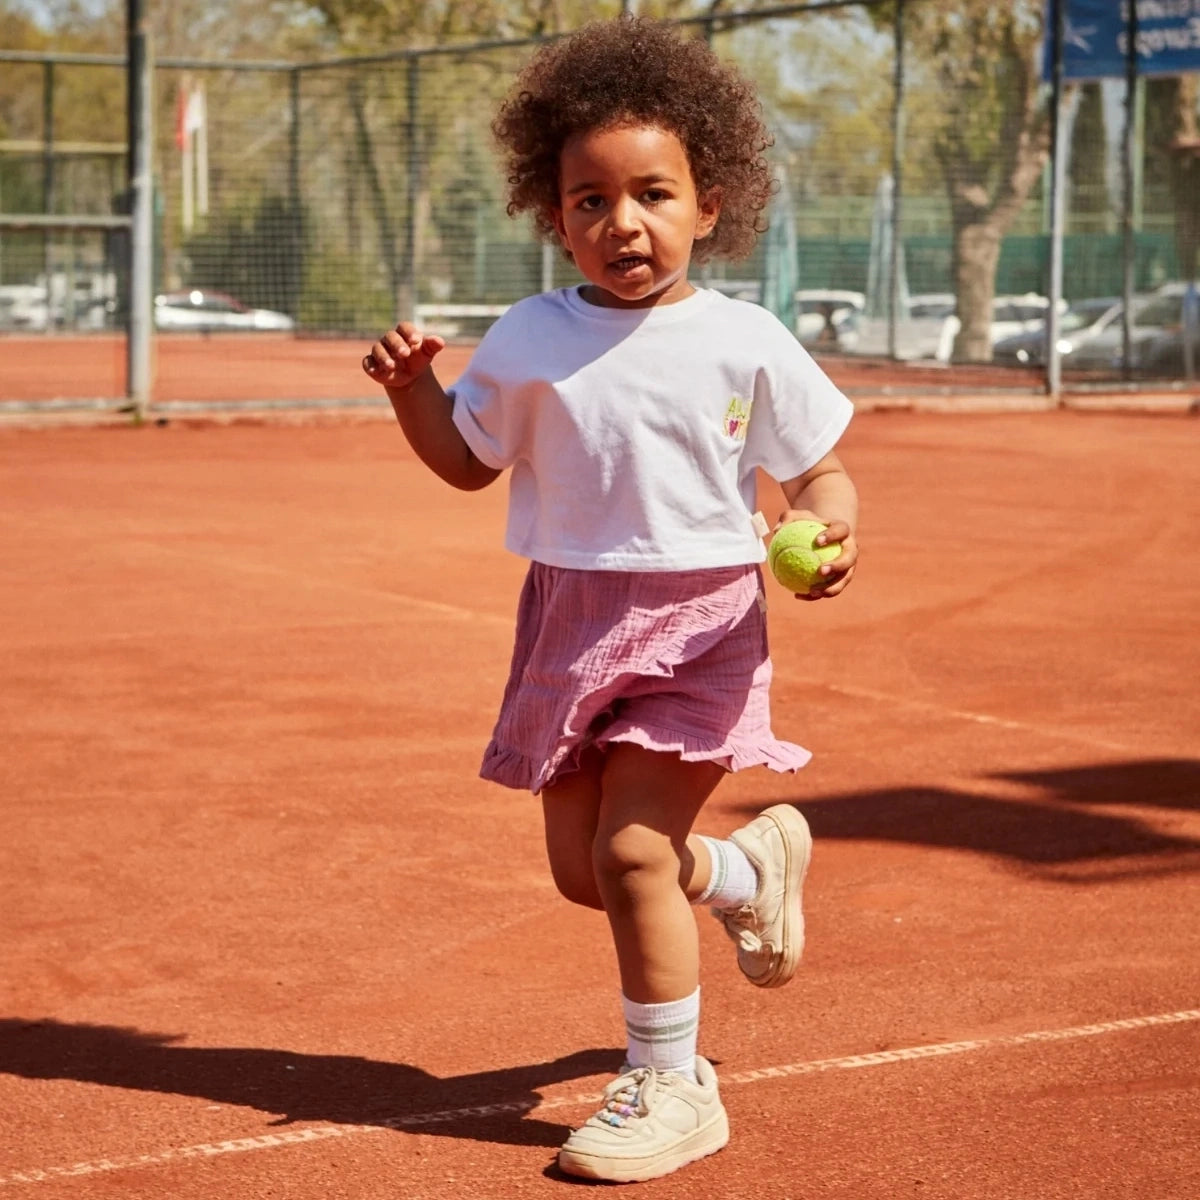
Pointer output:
x,y
592,293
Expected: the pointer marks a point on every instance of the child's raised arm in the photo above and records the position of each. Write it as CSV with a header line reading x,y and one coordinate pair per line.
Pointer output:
x,y
402,362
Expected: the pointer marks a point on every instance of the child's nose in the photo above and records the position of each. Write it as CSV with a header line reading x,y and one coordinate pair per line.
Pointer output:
x,y
623,217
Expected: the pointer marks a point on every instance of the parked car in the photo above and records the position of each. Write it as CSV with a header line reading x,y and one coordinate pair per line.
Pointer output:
x,y
23,306
1157,330
844,308
214,311
84,303
1080,323
931,305
1010,315
827,317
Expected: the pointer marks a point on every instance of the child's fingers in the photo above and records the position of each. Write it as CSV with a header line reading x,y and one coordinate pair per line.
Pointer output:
x,y
392,352
384,356
831,589
837,572
407,339
844,563
410,340
432,345
837,531
377,361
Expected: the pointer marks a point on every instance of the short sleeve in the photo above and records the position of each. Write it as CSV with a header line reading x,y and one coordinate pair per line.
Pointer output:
x,y
485,411
799,413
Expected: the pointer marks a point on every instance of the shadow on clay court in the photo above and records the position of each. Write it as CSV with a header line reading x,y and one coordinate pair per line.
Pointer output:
x,y
1061,830
302,1087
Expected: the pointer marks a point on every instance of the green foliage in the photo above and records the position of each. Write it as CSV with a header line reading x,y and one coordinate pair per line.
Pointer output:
x,y
341,296
1089,162
833,88
1093,263
971,89
257,258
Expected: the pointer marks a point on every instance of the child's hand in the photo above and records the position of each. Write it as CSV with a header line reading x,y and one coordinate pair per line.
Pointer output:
x,y
839,571
401,355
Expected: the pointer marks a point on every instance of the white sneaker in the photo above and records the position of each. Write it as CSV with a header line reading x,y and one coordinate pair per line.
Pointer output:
x,y
769,931
651,1124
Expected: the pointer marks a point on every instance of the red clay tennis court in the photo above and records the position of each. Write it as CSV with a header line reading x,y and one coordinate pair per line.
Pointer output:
x,y
266,934
207,371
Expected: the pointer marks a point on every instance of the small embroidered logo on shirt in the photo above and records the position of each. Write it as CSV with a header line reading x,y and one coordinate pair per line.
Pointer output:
x,y
737,418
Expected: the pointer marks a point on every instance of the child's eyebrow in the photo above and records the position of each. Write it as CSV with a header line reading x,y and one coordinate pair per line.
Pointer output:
x,y
641,181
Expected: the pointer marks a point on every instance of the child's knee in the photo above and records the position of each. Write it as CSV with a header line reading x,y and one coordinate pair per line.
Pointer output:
x,y
635,859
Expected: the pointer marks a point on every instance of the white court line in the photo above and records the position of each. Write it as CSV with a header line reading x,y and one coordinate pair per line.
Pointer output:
x,y
417,1121
962,714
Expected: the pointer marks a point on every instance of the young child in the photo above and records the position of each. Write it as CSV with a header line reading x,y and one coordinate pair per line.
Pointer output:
x,y
633,411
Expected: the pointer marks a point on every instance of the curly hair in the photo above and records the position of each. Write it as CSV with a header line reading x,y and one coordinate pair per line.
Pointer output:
x,y
636,70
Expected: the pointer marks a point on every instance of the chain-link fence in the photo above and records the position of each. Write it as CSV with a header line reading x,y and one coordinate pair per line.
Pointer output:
x,y
62,180
916,196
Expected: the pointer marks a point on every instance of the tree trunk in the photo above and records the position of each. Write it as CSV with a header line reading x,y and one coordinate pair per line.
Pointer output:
x,y
992,147
976,256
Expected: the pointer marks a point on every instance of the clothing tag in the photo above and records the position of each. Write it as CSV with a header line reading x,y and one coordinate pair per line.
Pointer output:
x,y
761,528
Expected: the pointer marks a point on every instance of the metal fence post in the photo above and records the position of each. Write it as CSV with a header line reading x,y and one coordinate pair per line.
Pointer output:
x,y
1128,150
48,200
1058,144
295,205
141,192
893,310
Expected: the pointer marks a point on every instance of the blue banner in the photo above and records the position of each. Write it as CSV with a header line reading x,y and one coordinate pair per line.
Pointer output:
x,y
1096,42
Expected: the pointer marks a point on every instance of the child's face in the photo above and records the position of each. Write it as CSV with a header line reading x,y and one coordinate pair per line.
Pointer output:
x,y
629,214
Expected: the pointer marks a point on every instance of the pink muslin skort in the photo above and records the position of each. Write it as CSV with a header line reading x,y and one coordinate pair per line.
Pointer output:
x,y
675,661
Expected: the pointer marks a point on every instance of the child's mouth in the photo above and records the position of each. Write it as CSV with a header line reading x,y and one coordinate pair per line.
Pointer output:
x,y
629,263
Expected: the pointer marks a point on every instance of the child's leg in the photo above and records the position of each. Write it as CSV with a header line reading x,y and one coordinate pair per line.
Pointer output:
x,y
752,880
766,925
649,801
664,1110
571,813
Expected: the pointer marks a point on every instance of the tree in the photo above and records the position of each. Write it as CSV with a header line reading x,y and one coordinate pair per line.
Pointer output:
x,y
408,238
990,135
830,100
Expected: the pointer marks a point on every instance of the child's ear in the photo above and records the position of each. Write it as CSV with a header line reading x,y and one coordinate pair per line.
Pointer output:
x,y
709,213
560,228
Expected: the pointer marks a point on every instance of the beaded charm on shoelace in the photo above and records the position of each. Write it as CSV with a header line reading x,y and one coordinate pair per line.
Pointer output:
x,y
623,1103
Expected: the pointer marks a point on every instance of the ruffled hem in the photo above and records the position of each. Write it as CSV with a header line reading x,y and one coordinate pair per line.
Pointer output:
x,y
780,756
512,769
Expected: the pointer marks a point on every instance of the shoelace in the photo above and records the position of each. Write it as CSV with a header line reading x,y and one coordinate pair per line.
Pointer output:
x,y
625,1102
742,936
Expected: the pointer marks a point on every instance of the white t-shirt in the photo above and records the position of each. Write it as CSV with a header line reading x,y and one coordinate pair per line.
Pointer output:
x,y
633,434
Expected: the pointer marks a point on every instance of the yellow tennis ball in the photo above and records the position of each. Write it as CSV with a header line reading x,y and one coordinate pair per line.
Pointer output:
x,y
795,559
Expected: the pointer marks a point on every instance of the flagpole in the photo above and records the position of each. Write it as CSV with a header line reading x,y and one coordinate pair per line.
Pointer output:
x,y
201,150
183,136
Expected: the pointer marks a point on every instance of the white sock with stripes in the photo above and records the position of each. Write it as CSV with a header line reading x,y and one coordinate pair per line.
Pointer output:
x,y
733,881
663,1036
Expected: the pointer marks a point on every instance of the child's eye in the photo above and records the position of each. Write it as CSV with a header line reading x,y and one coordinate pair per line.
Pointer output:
x,y
591,203
655,196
